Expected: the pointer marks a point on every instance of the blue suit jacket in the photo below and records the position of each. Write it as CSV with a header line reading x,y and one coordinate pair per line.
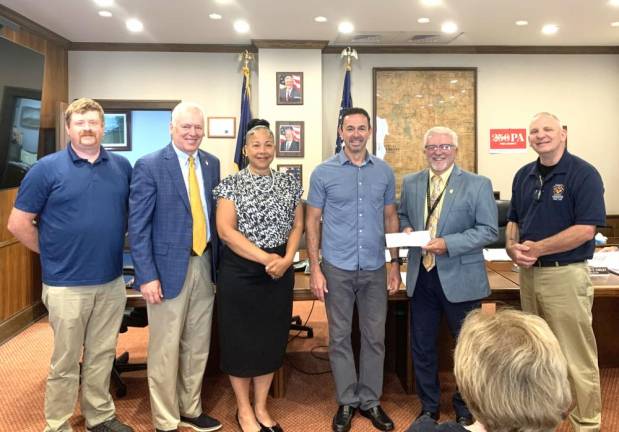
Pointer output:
x,y
467,223
160,223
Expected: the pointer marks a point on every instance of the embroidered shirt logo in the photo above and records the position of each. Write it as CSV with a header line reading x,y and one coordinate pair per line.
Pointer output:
x,y
558,191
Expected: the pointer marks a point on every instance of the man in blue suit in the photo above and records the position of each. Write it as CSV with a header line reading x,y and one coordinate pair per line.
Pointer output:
x,y
174,247
448,275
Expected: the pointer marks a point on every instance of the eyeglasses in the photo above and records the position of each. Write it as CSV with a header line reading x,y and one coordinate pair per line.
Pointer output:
x,y
537,193
443,147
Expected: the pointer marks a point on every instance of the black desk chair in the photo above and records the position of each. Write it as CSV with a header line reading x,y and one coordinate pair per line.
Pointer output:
x,y
295,321
133,317
503,209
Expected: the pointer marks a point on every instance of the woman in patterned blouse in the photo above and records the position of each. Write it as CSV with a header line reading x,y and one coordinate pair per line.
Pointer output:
x,y
260,220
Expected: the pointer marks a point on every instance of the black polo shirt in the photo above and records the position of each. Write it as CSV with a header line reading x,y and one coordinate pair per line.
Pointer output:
x,y
572,194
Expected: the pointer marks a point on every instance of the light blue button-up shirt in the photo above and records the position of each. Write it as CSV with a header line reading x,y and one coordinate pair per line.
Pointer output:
x,y
352,199
183,160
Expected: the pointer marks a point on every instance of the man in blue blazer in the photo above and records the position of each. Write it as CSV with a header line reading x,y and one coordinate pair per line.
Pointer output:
x,y
448,275
174,247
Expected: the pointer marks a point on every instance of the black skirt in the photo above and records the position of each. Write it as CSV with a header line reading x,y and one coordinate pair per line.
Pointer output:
x,y
253,313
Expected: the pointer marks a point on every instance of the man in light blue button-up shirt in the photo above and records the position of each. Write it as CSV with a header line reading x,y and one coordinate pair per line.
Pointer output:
x,y
354,194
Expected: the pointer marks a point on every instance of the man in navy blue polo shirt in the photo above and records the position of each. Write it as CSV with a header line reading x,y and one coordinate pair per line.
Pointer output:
x,y
354,193
557,202
79,198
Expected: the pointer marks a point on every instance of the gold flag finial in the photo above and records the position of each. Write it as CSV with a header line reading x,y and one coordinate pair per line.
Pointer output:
x,y
349,53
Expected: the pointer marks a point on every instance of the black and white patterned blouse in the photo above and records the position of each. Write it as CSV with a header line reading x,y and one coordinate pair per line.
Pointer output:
x,y
264,214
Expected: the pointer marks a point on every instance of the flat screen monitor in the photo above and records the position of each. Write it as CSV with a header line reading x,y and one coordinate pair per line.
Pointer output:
x,y
21,81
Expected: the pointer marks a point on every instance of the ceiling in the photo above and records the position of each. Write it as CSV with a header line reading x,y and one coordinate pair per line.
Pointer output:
x,y
480,22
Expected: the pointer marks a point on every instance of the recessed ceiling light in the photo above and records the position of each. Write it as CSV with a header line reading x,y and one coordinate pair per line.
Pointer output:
x,y
521,23
104,3
614,24
241,26
550,29
449,27
423,20
214,16
105,14
345,27
320,19
419,95
431,2
614,3
453,81
134,25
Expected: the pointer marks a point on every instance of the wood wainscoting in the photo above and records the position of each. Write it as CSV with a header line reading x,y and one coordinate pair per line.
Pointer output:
x,y
20,271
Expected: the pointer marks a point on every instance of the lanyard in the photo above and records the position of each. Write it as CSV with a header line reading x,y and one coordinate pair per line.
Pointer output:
x,y
432,207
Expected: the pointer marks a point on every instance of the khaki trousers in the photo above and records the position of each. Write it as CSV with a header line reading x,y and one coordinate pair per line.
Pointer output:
x,y
88,317
178,347
563,296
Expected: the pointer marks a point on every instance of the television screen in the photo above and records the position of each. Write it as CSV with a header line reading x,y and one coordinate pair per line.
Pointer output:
x,y
21,80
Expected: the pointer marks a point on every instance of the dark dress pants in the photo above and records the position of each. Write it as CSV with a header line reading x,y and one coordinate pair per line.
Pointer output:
x,y
428,304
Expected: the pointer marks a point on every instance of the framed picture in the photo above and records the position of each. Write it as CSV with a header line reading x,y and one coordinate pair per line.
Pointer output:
x,y
295,169
409,101
117,130
221,127
289,136
289,88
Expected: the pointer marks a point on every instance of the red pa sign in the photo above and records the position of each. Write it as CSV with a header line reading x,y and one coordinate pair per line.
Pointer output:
x,y
508,139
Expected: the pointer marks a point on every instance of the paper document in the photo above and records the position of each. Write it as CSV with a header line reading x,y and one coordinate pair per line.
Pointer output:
x,y
496,255
610,260
412,239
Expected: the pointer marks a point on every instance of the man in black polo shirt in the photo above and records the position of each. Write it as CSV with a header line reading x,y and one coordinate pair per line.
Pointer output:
x,y
557,202
79,197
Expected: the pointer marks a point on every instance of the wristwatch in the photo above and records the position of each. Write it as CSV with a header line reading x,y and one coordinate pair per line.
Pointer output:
x,y
398,260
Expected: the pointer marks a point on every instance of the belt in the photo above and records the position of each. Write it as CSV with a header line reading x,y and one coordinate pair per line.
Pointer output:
x,y
539,263
192,253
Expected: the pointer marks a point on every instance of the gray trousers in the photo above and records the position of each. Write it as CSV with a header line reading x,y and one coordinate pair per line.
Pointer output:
x,y
368,290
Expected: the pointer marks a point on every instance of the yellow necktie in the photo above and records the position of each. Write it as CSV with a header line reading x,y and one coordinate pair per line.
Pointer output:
x,y
429,259
197,212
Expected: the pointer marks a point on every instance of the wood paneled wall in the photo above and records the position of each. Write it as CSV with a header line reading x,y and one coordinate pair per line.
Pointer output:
x,y
20,274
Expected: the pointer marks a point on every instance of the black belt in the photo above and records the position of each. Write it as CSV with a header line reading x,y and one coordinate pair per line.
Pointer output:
x,y
539,263
192,253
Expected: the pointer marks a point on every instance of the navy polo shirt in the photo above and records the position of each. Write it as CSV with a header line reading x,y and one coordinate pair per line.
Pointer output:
x,y
572,194
352,199
82,215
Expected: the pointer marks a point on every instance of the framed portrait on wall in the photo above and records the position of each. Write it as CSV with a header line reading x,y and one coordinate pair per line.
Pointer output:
x,y
289,88
295,169
289,139
409,101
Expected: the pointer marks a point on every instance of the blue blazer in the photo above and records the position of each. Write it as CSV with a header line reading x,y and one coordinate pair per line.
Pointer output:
x,y
468,222
160,223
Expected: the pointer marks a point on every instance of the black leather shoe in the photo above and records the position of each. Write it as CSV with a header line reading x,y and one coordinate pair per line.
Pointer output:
x,y
380,419
465,420
275,428
343,418
424,414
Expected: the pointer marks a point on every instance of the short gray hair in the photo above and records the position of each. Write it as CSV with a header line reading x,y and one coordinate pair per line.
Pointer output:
x,y
440,130
547,114
255,129
184,107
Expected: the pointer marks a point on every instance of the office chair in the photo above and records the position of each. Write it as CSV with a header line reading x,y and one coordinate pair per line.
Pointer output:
x,y
133,317
295,321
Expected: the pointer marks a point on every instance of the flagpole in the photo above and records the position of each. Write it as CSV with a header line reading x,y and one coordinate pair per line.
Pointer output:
x,y
239,158
346,102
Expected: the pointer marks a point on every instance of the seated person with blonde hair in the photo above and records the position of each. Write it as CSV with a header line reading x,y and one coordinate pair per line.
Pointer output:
x,y
511,373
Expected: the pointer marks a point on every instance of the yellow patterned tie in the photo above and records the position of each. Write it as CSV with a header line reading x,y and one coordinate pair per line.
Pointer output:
x,y
197,211
428,258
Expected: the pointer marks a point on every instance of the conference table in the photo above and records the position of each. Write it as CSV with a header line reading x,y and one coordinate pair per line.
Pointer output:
x,y
504,283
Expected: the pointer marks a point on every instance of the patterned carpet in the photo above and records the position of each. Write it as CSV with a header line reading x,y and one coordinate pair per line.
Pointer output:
x,y
308,406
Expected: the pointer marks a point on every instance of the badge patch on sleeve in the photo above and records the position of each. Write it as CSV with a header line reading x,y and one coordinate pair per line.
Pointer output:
x,y
557,192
